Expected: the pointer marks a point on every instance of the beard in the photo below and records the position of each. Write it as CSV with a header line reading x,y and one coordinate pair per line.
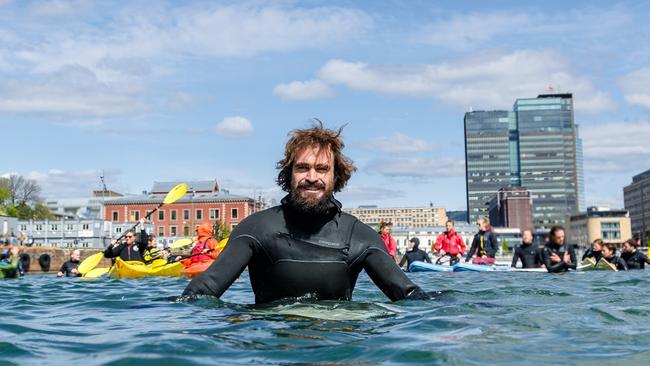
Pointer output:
x,y
311,206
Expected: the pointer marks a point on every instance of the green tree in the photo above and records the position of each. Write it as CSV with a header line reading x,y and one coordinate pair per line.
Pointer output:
x,y
41,212
506,250
220,230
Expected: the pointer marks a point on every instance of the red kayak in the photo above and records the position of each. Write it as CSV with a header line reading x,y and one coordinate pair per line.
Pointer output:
x,y
196,268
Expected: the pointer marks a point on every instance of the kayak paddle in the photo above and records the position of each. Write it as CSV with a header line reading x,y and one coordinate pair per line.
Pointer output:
x,y
89,263
180,243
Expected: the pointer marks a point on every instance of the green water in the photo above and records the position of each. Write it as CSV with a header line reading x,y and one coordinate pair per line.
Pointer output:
x,y
595,318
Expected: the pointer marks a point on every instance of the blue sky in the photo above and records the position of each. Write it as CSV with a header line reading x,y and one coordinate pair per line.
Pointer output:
x,y
153,91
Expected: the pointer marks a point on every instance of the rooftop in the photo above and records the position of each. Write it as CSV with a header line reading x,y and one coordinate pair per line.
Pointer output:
x,y
187,198
196,186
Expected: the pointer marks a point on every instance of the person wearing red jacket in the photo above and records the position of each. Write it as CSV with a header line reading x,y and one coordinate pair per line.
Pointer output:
x,y
450,243
205,248
391,244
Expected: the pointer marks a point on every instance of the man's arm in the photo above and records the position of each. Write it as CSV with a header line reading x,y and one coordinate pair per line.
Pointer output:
x,y
401,262
113,250
232,261
550,267
515,257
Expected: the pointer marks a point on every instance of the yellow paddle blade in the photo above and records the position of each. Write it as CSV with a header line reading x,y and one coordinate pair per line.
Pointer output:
x,y
222,244
97,272
175,194
181,243
90,263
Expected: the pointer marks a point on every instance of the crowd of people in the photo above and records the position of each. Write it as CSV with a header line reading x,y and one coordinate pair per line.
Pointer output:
x,y
554,255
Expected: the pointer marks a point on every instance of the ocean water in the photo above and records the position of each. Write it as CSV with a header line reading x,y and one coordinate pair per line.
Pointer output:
x,y
581,318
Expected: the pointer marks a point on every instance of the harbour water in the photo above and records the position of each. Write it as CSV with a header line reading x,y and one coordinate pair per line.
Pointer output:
x,y
591,318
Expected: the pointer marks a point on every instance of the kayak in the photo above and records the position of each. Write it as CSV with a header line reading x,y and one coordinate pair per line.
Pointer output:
x,y
419,266
135,269
589,264
196,269
468,267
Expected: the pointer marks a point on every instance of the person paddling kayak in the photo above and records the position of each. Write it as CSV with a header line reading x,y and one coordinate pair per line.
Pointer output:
x,y
205,248
307,246
132,249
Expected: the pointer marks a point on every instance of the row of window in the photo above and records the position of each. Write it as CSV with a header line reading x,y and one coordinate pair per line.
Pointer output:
x,y
134,215
55,227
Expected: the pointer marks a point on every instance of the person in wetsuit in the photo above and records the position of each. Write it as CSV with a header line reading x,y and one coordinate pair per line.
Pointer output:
x,y
609,254
527,253
414,253
69,268
633,257
484,245
132,249
307,246
595,251
9,263
556,255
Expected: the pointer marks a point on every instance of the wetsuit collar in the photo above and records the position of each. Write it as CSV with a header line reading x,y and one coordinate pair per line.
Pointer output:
x,y
334,206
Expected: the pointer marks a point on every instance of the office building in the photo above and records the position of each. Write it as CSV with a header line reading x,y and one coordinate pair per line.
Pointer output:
x,y
536,147
637,200
612,226
412,217
511,208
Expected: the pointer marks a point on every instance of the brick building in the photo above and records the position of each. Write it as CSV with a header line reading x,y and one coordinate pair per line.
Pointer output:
x,y
203,202
511,207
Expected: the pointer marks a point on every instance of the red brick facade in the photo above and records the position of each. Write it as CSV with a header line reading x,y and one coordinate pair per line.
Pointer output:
x,y
178,219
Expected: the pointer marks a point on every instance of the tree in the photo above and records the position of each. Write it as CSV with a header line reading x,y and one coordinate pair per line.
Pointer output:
x,y
506,250
20,188
41,212
220,230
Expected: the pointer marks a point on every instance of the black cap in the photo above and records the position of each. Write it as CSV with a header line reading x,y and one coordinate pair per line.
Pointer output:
x,y
415,240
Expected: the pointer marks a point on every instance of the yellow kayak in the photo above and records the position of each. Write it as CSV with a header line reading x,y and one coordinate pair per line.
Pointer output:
x,y
135,269
96,272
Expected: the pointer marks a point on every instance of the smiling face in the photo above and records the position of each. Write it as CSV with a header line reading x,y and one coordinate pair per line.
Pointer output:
x,y
312,176
76,255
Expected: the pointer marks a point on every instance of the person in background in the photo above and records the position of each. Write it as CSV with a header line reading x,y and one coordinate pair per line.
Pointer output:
x,y
414,253
527,253
69,268
595,251
633,257
9,263
609,254
450,243
387,238
484,245
205,248
152,252
131,250
556,255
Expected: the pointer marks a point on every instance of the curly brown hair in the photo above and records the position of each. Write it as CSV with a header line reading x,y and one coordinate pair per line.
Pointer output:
x,y
316,136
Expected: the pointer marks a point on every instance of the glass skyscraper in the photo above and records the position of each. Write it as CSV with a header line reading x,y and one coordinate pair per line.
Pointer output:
x,y
535,146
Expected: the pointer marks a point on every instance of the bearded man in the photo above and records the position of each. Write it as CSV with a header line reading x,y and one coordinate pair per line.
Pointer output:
x,y
306,247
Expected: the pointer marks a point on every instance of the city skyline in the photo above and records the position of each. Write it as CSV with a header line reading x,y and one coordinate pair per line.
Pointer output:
x,y
162,91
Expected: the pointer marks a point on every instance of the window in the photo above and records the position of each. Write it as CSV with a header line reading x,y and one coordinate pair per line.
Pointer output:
x,y
134,215
186,231
85,227
214,214
39,227
69,227
173,215
186,214
233,213
118,230
115,216
172,230
161,231
161,215
54,227
85,245
23,227
199,214
610,230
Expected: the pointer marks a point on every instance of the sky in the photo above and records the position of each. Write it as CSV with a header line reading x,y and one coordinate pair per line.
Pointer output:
x,y
144,91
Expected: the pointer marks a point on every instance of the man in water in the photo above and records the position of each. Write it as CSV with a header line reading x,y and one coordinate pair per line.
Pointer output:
x,y
414,253
69,268
306,247
450,243
634,258
527,252
557,256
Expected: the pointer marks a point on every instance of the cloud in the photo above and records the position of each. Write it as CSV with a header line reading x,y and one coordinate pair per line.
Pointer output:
x,y
59,7
484,81
74,90
235,126
366,193
620,147
180,101
62,183
398,143
303,90
635,87
417,167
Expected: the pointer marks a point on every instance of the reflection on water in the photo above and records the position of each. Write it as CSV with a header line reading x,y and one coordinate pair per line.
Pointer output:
x,y
477,318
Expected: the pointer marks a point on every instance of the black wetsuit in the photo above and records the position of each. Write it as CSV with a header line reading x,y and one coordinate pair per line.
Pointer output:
x,y
618,262
590,253
487,246
561,266
529,256
415,254
291,254
68,266
635,260
132,253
